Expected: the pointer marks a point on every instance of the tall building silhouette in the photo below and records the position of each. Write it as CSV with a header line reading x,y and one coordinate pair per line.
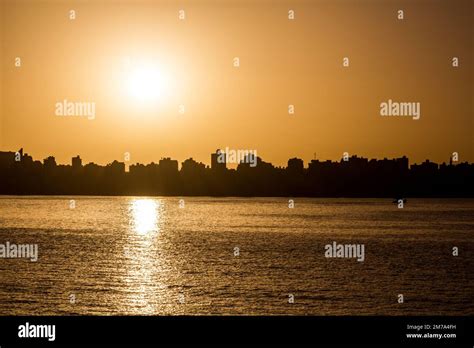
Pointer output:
x,y
218,161
76,162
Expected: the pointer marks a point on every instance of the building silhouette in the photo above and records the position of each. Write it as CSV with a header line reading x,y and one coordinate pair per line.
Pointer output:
x,y
76,162
354,176
218,161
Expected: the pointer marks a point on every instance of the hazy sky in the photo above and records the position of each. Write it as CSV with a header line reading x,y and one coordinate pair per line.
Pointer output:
x,y
113,50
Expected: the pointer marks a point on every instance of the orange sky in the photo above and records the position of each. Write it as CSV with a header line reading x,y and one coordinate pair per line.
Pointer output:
x,y
283,62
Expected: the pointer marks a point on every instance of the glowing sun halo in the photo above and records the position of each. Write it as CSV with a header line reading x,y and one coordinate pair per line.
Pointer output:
x,y
146,83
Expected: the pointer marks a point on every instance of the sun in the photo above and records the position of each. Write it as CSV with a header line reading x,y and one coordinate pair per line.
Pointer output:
x,y
146,83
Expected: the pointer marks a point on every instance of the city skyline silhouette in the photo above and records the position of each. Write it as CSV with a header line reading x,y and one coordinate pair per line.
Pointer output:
x,y
352,176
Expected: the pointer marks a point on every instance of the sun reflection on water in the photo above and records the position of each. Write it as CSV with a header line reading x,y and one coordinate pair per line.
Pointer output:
x,y
142,261
145,216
